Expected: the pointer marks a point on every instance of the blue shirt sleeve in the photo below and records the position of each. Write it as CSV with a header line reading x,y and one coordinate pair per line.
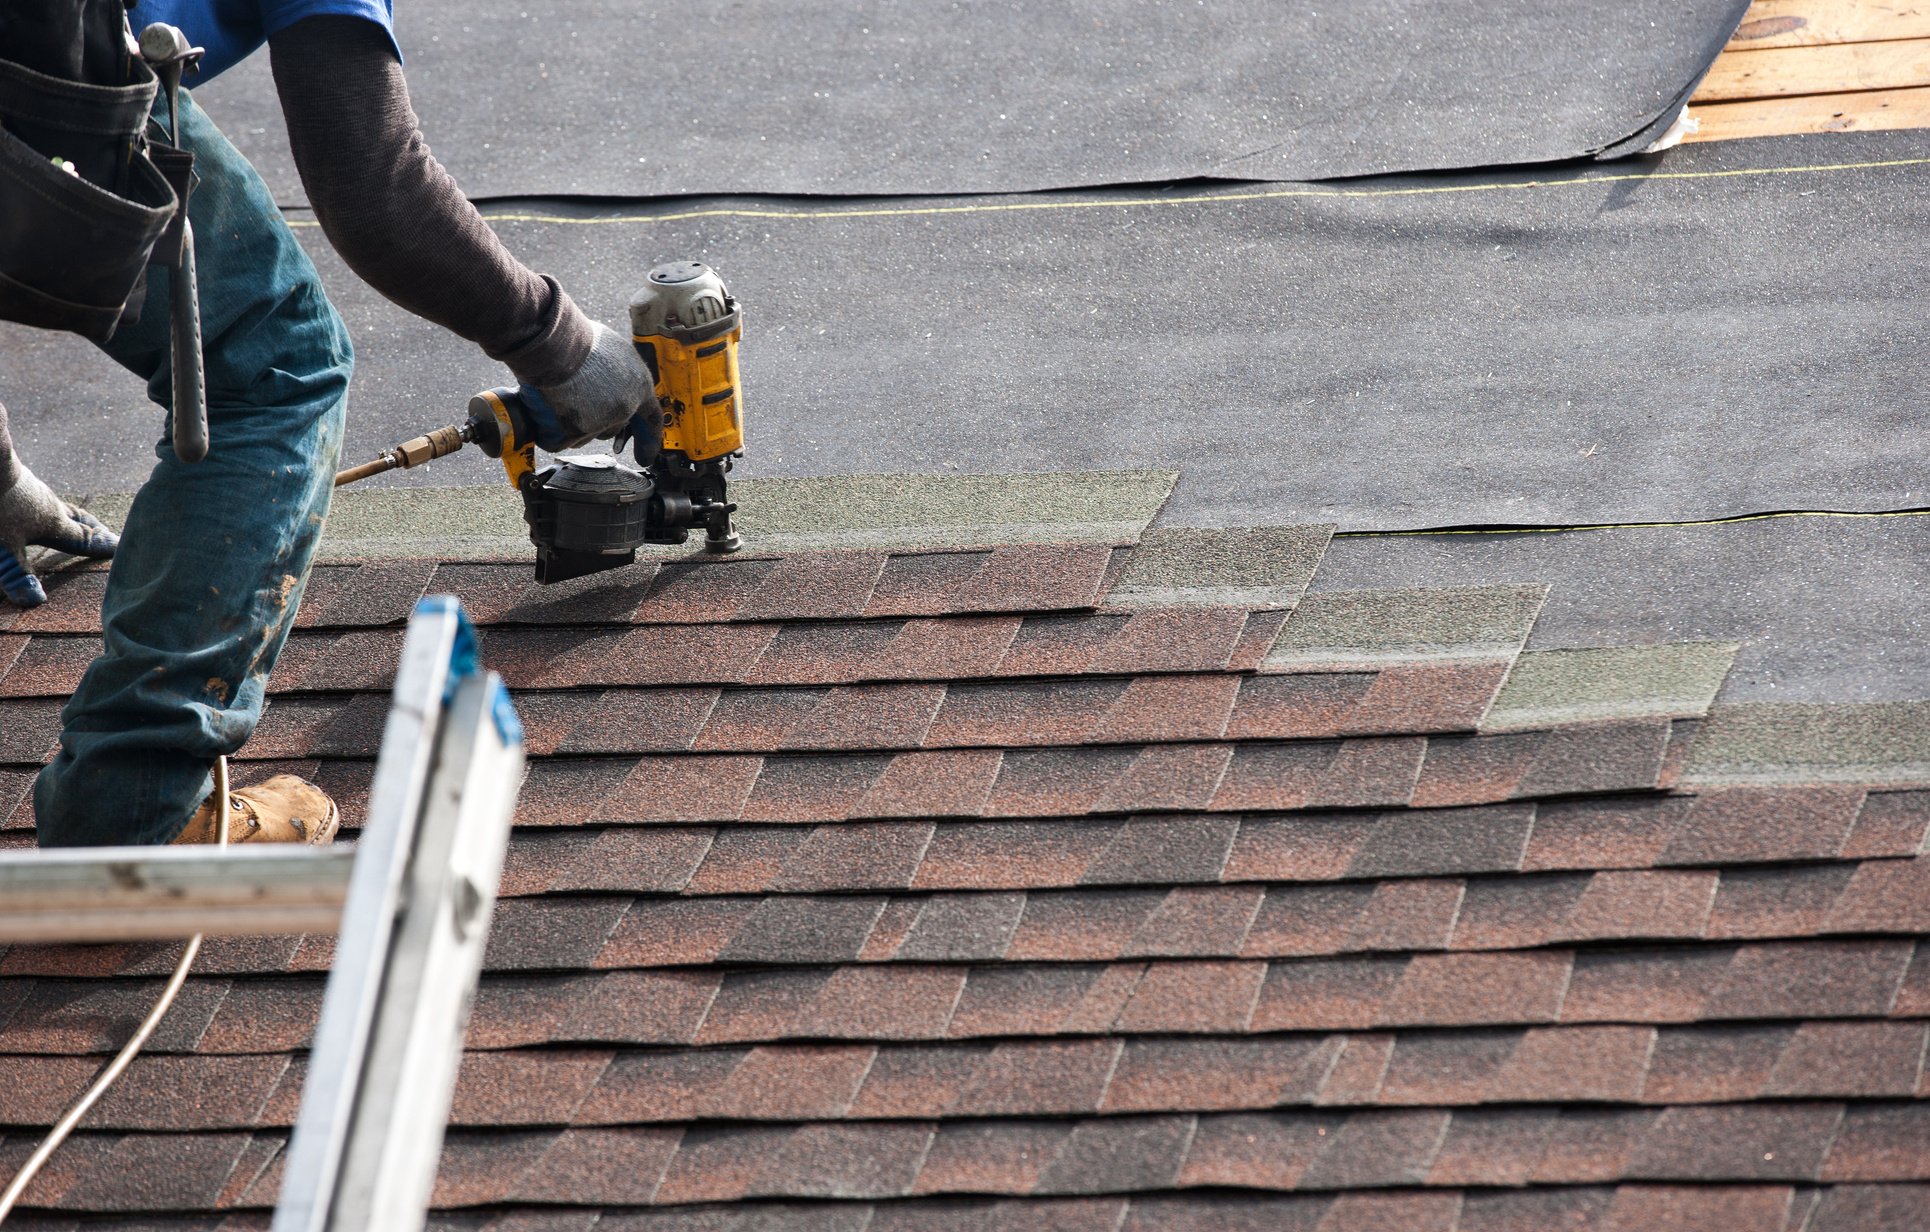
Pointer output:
x,y
232,30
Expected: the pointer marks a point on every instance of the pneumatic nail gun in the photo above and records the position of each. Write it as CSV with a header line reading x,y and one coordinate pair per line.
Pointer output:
x,y
587,513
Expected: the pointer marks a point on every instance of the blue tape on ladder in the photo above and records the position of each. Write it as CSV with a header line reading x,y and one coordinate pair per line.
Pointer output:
x,y
465,660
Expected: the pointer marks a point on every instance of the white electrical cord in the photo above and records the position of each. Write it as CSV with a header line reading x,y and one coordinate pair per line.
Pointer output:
x,y
125,1057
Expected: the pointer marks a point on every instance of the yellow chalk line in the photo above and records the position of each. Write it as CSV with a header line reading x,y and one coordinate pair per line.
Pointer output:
x,y
1281,194
1566,530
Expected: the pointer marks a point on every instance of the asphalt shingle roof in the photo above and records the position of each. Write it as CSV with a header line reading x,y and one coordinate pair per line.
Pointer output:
x,y
877,889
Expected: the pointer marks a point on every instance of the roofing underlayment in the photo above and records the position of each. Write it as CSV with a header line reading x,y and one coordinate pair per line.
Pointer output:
x,y
1329,743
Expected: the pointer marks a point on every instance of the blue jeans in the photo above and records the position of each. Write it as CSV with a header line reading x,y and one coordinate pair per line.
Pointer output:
x,y
211,565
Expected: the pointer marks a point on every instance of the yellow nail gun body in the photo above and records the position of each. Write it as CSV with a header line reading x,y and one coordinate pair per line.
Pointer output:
x,y
592,512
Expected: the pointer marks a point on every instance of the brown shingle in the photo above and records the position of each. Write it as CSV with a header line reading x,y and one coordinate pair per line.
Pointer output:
x,y
1037,1077
991,1157
1194,996
1058,645
1168,708
1648,985
1737,1142
1778,902
1602,834
1172,640
800,789
1588,1064
1297,920
1885,896
674,932
874,856
1642,904
1265,1151
754,720
1509,913
1499,1147
1858,1059
1032,712
826,652
1744,825
1407,915
1714,1064
1890,823
524,1088
697,590
1112,1154
936,784
963,927
1376,1149
664,788
1181,776
1182,1075
1055,782
1430,842
1197,922
1473,989
1819,978
813,585
1309,847
1880,1142
1091,925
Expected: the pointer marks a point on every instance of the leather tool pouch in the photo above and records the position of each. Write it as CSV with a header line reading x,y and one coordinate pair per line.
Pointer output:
x,y
74,245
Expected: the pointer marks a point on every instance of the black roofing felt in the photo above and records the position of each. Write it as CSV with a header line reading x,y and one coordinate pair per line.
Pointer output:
x,y
1680,341
931,96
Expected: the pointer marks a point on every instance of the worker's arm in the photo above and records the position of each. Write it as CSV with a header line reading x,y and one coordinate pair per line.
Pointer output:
x,y
401,223
30,514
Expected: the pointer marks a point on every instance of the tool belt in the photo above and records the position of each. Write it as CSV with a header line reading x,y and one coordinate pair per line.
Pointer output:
x,y
75,243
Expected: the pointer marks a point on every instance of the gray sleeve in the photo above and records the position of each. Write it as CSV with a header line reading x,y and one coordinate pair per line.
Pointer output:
x,y
396,217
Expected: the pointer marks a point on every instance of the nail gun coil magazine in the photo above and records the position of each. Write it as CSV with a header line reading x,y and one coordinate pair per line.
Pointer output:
x,y
586,514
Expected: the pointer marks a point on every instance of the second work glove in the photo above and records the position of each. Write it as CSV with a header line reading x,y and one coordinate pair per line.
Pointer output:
x,y
31,515
596,400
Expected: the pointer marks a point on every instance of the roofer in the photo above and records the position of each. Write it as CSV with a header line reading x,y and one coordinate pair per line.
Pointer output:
x,y
209,571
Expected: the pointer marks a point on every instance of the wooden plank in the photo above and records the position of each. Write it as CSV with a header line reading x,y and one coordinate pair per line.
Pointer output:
x,y
1815,23
85,894
1897,65
1821,113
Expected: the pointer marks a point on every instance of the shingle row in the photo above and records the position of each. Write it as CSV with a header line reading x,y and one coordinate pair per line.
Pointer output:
x,y
1869,897
820,653
1749,983
1637,1065
926,1001
931,715
1356,773
1742,826
1364,773
689,590
1282,1151
1634,1207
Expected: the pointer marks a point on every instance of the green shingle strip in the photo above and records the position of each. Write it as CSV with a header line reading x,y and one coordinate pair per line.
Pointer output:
x,y
1549,687
1876,743
1256,567
1341,629
897,512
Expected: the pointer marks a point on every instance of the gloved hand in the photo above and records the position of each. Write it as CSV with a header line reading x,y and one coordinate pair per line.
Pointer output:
x,y
596,400
30,513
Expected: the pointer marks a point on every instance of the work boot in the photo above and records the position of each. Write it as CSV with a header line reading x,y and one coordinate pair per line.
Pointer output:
x,y
284,809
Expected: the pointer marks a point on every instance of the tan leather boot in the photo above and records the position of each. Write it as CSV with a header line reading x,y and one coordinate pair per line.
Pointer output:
x,y
284,809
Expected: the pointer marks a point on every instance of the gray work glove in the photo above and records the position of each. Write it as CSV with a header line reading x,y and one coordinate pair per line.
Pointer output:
x,y
596,400
31,515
